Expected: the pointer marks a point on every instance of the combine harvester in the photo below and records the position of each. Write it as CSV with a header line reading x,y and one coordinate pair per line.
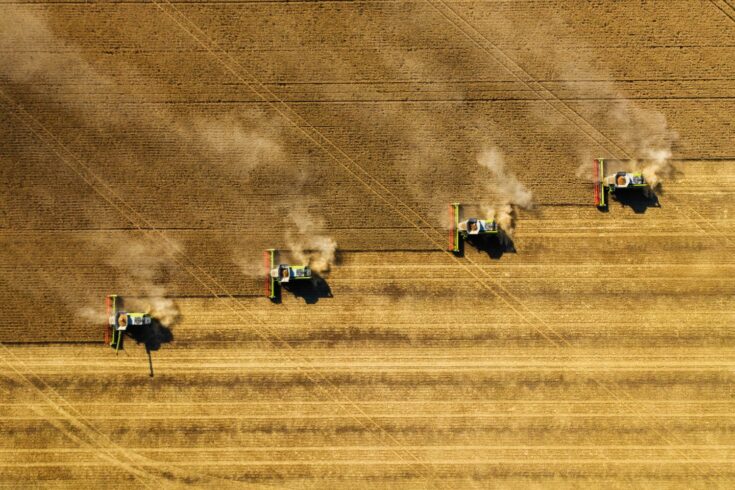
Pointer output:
x,y
462,230
282,274
118,321
608,185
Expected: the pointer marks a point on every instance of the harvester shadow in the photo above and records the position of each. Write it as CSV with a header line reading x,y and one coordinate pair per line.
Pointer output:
x,y
495,246
638,201
152,337
311,291
277,295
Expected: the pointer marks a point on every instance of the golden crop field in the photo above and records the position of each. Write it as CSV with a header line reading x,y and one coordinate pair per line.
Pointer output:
x,y
155,149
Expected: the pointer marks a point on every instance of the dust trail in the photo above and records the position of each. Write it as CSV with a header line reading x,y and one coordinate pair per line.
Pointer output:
x,y
44,58
308,246
226,154
643,133
250,267
509,193
147,267
95,315
649,138
143,268
39,63
239,145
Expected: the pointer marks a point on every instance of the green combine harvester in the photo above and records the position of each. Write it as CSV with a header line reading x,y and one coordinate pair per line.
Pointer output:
x,y
608,185
118,321
462,230
282,275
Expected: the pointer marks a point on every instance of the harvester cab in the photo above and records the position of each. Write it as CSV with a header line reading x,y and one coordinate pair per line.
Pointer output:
x,y
118,321
606,185
461,230
282,274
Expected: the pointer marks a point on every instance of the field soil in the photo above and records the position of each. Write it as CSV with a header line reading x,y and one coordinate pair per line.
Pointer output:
x,y
156,149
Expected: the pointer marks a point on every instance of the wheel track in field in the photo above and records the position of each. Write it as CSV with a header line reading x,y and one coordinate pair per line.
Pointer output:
x,y
727,9
585,126
93,441
544,94
397,205
90,178
391,200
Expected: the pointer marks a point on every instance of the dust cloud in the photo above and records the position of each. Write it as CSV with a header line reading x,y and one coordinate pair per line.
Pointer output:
x,y
43,58
308,245
649,138
229,154
508,192
141,268
147,266
93,314
629,130
47,65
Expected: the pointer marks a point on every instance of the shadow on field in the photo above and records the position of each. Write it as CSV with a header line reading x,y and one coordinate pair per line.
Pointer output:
x,y
152,337
493,245
311,291
638,200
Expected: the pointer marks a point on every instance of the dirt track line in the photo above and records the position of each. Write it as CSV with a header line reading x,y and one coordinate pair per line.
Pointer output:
x,y
81,426
85,178
174,249
725,9
392,462
447,81
544,93
570,119
431,416
502,401
185,449
657,364
458,100
259,354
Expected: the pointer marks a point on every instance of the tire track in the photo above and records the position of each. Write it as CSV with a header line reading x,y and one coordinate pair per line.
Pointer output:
x,y
363,176
90,178
585,127
544,94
